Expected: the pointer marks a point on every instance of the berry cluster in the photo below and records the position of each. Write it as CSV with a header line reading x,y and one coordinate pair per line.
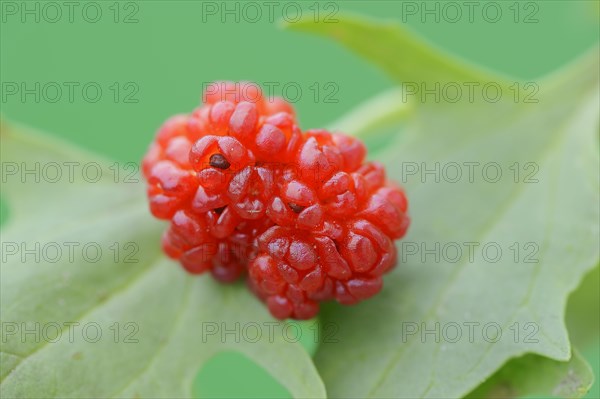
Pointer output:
x,y
245,189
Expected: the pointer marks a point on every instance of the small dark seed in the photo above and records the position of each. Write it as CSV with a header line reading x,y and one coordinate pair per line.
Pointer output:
x,y
219,210
219,161
296,208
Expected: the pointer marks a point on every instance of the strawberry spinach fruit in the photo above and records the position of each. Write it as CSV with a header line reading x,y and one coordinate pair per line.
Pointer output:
x,y
245,190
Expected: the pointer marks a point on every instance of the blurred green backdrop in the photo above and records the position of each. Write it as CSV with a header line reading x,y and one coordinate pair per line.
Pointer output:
x,y
151,58
177,46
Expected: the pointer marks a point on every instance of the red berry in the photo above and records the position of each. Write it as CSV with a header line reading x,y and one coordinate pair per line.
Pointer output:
x,y
243,121
250,190
352,150
220,152
270,140
317,162
169,187
245,190
278,104
219,116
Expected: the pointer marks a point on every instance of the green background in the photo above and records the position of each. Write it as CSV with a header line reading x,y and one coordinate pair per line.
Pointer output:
x,y
175,48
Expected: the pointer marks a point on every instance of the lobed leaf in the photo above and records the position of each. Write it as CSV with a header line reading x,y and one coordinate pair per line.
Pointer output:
x,y
394,345
156,323
533,375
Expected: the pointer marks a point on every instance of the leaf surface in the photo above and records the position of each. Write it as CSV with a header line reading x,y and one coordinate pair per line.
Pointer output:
x,y
127,323
538,376
514,176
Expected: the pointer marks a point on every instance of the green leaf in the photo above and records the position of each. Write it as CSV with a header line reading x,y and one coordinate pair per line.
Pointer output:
x,y
157,323
378,120
397,50
538,376
583,311
385,110
533,375
388,347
